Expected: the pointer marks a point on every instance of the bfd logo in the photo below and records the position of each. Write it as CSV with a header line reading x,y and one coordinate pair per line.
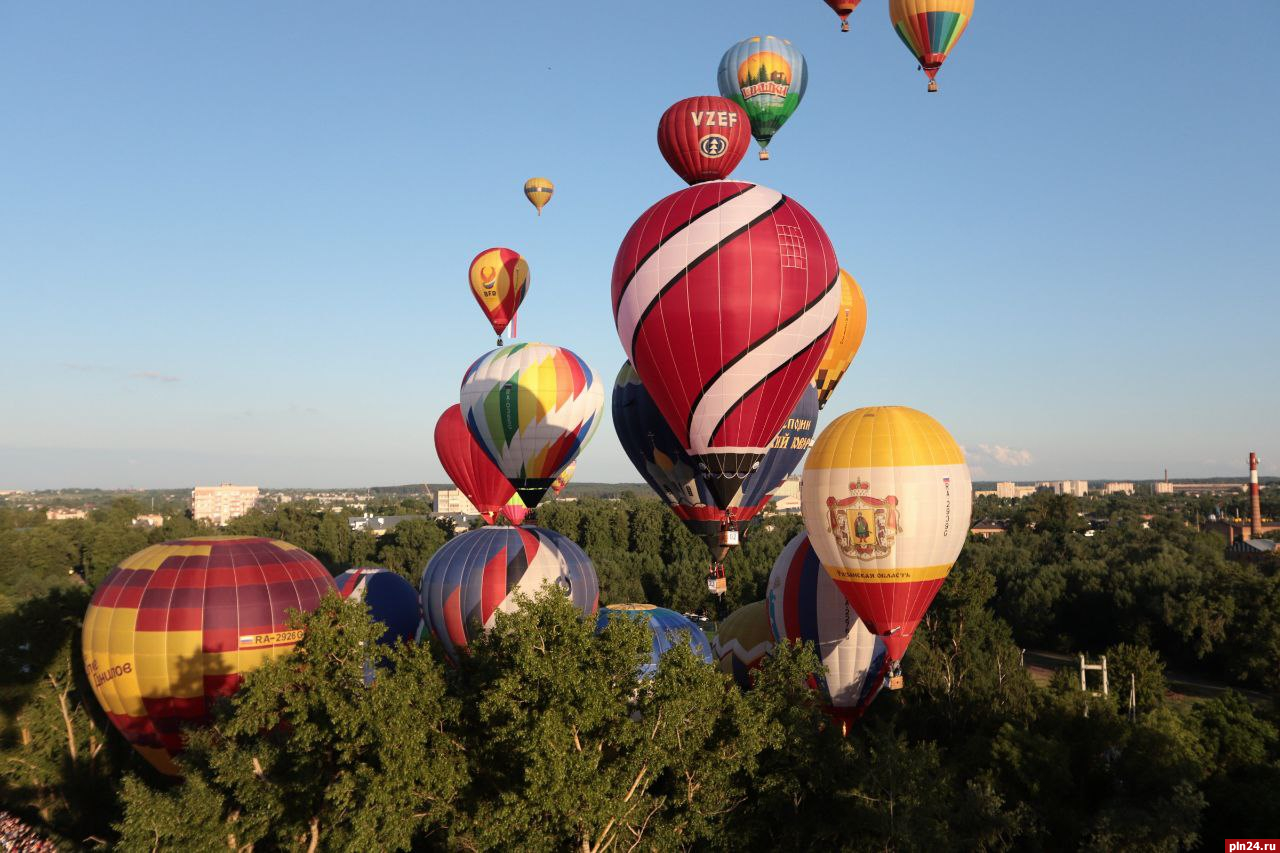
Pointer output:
x,y
713,146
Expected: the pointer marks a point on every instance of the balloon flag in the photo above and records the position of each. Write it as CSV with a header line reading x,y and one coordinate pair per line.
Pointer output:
x,y
851,325
475,574
886,498
532,407
177,625
843,8
929,29
657,455
515,511
669,629
743,638
563,480
703,138
805,607
767,77
724,295
390,598
499,281
539,192
469,466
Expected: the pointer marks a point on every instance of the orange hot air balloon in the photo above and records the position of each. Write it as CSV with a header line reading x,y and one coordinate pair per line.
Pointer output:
x,y
843,8
499,281
539,192
177,625
846,337
563,480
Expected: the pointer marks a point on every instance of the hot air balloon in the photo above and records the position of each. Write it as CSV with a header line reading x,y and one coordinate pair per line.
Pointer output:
x,y
703,138
929,29
886,498
532,407
657,455
563,480
766,76
391,600
669,629
177,625
743,639
805,607
539,192
499,281
475,574
469,466
843,8
515,511
724,296
851,325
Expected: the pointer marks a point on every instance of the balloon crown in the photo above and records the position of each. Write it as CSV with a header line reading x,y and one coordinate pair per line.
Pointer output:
x,y
859,487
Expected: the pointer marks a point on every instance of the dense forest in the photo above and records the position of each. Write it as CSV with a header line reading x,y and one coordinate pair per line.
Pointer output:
x,y
541,739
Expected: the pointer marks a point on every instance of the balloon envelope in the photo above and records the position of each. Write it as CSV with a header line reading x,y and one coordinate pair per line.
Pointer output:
x,y
563,480
805,606
767,77
177,625
391,600
475,574
886,498
846,337
843,8
743,639
668,628
469,466
499,281
930,28
724,295
703,138
539,192
532,407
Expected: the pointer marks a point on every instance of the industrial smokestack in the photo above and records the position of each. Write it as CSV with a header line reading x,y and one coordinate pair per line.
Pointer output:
x,y
1256,510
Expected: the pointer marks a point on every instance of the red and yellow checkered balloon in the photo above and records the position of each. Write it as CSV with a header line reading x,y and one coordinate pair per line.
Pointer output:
x,y
177,625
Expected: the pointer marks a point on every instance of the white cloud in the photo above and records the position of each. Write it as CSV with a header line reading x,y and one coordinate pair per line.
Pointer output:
x,y
1009,456
156,377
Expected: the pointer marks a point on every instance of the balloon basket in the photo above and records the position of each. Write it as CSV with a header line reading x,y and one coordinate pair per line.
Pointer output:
x,y
844,26
764,155
933,85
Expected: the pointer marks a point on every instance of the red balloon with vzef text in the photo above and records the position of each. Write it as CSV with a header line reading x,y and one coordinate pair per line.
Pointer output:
x,y
704,138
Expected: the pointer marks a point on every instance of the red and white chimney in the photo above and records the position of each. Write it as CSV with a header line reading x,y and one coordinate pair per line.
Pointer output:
x,y
1255,517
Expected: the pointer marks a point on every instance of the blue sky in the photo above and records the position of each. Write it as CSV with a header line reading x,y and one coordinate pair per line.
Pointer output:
x,y
234,237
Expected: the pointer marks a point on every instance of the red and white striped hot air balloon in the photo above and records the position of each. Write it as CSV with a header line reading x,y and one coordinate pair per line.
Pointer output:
x,y
724,295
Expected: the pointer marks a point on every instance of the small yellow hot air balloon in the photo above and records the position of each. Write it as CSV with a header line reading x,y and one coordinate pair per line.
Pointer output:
x,y
539,191
851,325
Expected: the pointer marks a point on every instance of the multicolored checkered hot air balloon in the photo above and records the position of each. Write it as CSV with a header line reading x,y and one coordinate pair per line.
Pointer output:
x,y
391,600
743,640
846,337
499,281
724,296
657,455
843,8
532,407
886,498
804,606
767,77
177,625
929,29
474,576
668,628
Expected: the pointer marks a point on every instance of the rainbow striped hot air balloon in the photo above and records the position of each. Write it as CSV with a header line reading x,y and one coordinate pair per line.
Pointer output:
x,y
532,407
929,29
177,625
743,640
886,498
474,576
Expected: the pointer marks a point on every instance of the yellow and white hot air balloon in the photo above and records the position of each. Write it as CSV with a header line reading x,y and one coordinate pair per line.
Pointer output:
x,y
539,192
886,497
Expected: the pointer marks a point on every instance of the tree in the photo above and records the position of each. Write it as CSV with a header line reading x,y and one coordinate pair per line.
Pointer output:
x,y
1142,666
